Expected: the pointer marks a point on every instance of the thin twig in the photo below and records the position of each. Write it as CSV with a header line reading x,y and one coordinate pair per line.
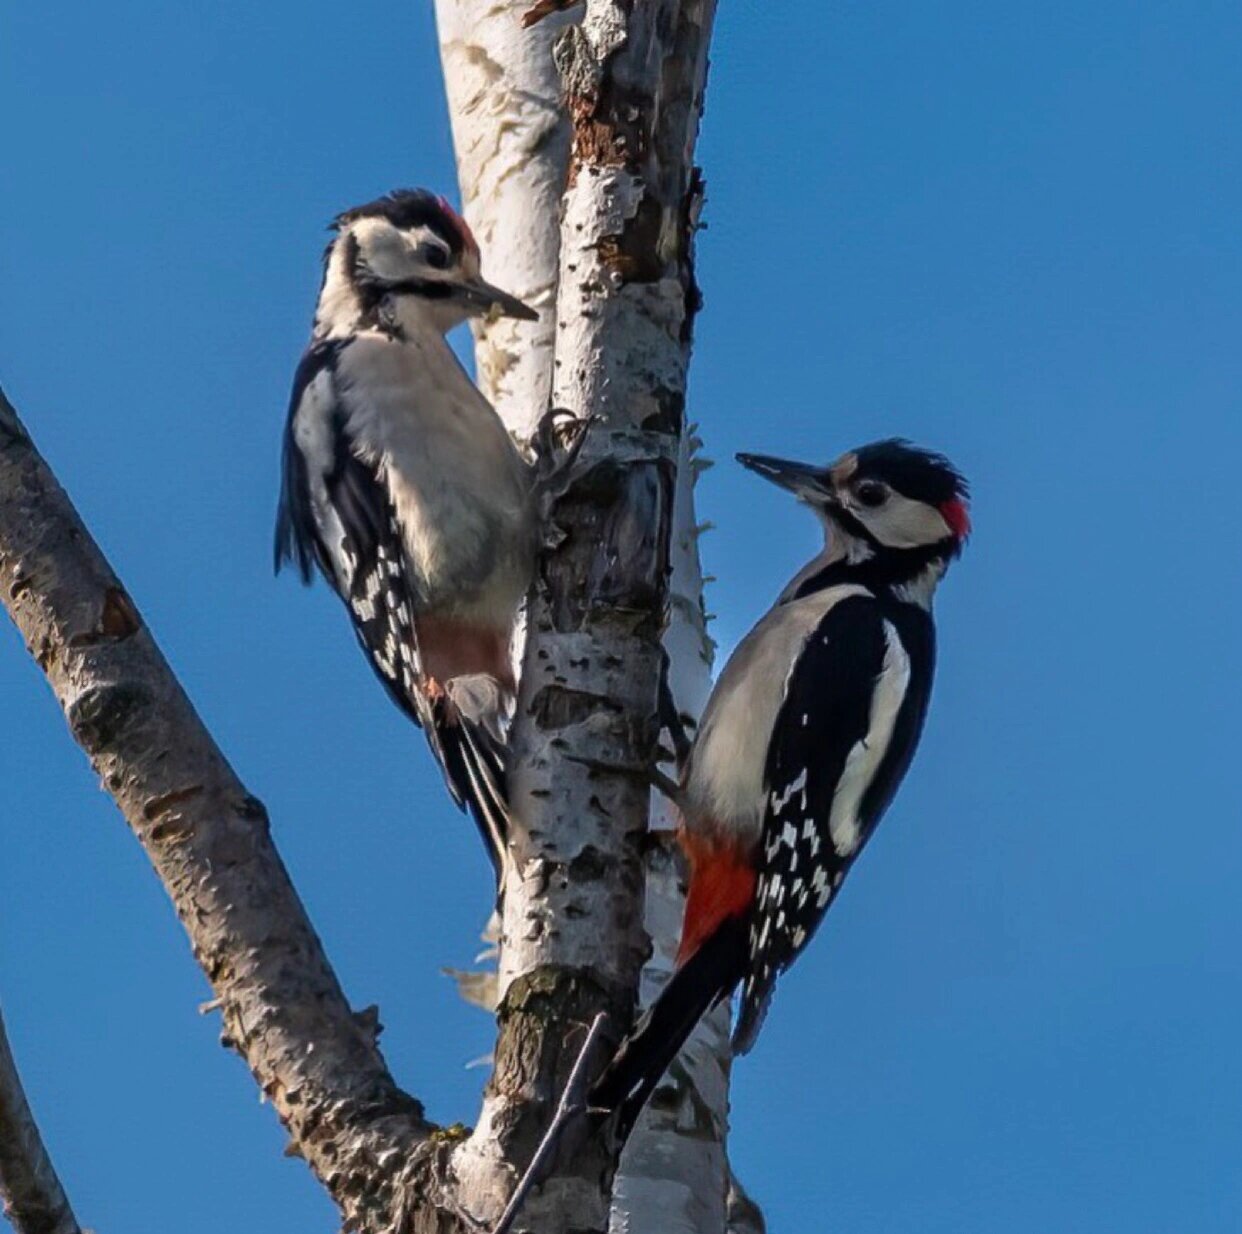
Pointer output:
x,y
572,1105
33,1198
651,775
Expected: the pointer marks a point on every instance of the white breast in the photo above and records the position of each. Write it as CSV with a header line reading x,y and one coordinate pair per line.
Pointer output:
x,y
725,781
460,487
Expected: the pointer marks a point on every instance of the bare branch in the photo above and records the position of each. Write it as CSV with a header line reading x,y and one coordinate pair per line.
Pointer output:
x,y
33,1198
283,1009
674,1174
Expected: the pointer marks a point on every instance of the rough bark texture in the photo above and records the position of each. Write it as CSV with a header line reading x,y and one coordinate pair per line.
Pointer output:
x,y
31,1194
673,1175
283,1010
573,938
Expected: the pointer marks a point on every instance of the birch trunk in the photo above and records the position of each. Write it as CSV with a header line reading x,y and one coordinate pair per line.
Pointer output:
x,y
511,136
673,1176
503,88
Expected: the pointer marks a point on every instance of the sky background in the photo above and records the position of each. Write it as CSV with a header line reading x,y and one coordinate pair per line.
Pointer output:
x,y
1010,235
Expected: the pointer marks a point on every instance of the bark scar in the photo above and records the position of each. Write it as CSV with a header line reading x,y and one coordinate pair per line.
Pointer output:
x,y
161,805
118,619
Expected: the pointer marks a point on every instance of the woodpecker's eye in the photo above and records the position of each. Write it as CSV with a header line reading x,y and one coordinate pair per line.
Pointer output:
x,y
871,493
435,255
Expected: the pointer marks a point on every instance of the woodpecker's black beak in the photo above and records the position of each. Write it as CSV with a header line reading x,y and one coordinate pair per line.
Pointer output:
x,y
482,298
809,482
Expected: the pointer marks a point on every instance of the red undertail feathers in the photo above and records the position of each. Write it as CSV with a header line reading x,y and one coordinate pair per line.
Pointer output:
x,y
722,885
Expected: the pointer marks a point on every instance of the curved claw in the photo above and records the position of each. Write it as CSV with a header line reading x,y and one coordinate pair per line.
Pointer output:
x,y
557,448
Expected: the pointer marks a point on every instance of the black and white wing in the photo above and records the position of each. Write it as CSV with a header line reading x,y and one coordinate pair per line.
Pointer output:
x,y
845,734
335,511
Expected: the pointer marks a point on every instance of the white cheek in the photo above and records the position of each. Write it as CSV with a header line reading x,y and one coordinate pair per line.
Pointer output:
x,y
902,523
384,249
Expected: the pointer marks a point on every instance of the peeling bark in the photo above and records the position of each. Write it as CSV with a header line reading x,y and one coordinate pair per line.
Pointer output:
x,y
313,1057
30,1191
676,1155
572,925
744,1215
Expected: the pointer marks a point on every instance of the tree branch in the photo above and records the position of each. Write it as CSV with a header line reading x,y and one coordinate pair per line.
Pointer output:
x,y
314,1058
33,1198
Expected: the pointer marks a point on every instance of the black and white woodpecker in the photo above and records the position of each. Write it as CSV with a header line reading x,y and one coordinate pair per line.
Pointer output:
x,y
403,486
805,739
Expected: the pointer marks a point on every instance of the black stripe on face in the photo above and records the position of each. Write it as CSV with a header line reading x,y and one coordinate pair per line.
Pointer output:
x,y
373,291
887,568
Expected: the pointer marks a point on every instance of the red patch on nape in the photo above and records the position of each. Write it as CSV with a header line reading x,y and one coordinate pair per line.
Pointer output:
x,y
722,885
957,514
467,236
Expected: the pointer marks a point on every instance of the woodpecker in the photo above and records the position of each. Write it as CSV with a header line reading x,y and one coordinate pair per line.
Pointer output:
x,y
401,483
805,739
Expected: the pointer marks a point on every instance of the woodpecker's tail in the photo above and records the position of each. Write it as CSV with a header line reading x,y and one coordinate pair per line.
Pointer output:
x,y
642,1058
469,742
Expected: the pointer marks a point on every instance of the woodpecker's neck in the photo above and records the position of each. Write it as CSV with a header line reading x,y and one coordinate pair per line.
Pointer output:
x,y
909,575
348,304
339,310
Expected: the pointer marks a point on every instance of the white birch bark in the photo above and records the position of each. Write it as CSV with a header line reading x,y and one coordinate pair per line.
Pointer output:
x,y
673,1175
511,140
511,137
499,80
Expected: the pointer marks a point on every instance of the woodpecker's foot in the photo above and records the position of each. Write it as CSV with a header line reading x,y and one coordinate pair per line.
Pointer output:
x,y
650,775
557,442
664,785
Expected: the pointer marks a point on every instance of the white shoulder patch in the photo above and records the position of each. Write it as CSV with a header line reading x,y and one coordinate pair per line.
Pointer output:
x,y
864,759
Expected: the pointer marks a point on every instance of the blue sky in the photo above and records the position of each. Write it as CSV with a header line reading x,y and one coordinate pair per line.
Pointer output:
x,y
1011,235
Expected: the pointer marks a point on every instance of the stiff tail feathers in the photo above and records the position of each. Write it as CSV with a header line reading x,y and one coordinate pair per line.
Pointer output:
x,y
476,779
751,1015
643,1057
469,745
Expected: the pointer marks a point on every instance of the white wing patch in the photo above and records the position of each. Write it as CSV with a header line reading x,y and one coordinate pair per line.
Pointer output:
x,y
864,759
725,776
